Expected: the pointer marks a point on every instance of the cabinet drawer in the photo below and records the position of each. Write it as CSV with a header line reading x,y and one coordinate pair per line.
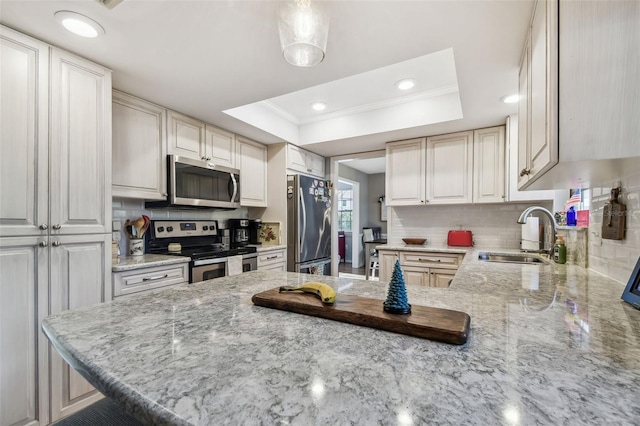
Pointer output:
x,y
428,259
138,280
269,258
274,267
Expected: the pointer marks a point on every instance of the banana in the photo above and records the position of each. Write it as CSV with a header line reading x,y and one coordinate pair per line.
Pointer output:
x,y
323,291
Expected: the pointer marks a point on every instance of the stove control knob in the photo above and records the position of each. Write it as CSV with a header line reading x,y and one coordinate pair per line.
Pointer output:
x,y
205,227
160,228
169,228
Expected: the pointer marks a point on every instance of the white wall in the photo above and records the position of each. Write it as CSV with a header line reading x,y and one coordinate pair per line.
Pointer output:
x,y
615,259
493,225
376,190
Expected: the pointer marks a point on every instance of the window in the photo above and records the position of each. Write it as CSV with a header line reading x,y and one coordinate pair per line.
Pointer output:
x,y
345,209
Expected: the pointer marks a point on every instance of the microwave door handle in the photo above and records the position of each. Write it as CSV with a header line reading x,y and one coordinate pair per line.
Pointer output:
x,y
235,187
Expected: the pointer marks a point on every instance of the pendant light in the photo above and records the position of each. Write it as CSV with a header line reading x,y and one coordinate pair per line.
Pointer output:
x,y
304,28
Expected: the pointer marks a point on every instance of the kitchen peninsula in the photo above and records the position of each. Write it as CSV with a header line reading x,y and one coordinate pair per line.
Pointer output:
x,y
549,344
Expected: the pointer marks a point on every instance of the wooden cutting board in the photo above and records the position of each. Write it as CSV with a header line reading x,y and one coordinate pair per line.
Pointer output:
x,y
442,325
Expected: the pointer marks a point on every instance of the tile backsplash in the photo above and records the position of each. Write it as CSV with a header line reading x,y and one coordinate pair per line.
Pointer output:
x,y
493,225
614,258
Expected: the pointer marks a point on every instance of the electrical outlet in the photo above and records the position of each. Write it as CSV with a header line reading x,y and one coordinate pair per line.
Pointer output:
x,y
115,225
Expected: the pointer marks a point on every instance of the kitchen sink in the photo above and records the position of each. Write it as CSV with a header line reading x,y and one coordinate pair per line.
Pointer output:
x,y
511,258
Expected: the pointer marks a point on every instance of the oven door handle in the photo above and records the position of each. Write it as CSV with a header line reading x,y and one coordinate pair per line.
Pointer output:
x,y
209,261
235,187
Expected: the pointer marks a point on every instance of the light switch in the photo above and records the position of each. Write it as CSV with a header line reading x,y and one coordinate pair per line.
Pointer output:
x,y
115,225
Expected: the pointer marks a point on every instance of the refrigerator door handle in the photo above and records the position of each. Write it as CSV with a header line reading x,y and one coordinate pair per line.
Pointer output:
x,y
303,219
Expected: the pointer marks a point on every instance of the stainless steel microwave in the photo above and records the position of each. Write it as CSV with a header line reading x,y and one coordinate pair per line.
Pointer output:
x,y
196,183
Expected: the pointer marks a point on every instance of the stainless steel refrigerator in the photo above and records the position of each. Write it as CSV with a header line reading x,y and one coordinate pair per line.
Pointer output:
x,y
308,225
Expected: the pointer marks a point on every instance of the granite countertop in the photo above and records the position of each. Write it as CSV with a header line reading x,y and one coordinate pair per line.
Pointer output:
x,y
128,263
549,344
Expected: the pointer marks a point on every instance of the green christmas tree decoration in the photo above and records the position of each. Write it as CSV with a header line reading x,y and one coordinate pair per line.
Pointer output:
x,y
397,301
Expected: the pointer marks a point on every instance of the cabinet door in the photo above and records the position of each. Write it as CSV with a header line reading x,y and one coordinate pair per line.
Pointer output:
x,y
80,155
449,168
441,277
489,165
524,119
416,276
80,276
139,148
315,164
252,162
24,110
387,263
24,380
186,136
296,159
405,175
543,142
220,146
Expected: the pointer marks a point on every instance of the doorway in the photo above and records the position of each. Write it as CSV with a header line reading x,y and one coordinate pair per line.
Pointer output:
x,y
366,171
349,219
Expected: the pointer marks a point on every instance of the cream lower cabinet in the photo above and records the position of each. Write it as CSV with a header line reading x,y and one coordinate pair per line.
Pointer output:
x,y
41,276
24,350
251,159
272,260
80,276
148,279
139,148
429,269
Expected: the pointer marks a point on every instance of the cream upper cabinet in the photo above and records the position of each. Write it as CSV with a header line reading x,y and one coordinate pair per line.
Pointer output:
x,y
251,159
80,140
449,168
186,136
405,173
303,161
523,117
538,89
489,165
24,114
24,286
139,148
220,146
79,277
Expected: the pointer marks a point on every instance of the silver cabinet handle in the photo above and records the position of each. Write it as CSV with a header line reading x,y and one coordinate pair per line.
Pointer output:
x,y
525,172
272,257
57,226
43,244
155,278
429,260
309,170
165,194
43,226
203,158
56,243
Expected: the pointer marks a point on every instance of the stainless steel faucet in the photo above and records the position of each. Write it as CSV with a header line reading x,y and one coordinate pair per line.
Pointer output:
x,y
525,214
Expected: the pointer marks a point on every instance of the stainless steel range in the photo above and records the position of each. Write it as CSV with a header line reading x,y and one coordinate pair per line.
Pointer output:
x,y
201,241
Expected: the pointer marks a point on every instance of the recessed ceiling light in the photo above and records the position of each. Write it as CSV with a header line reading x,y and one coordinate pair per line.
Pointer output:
x,y
406,84
79,24
319,106
510,99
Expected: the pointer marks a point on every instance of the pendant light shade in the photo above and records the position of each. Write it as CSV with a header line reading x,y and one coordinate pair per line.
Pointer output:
x,y
304,28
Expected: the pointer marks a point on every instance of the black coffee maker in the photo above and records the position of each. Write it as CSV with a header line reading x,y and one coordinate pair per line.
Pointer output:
x,y
255,226
239,232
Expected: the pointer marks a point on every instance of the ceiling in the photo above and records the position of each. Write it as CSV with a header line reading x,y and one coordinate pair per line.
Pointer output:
x,y
203,58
